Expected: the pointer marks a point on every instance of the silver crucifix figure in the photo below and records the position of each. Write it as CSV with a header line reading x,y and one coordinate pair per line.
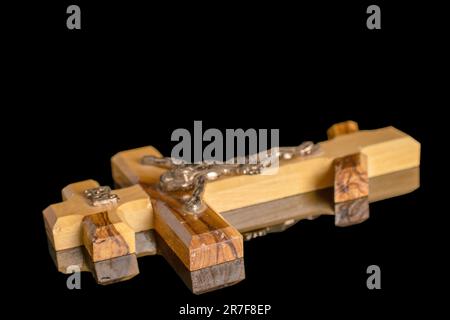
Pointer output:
x,y
193,176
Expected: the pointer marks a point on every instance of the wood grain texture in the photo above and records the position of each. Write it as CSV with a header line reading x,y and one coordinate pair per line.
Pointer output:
x,y
319,202
351,190
351,180
101,239
63,220
262,215
351,212
199,241
205,279
207,247
251,218
388,150
294,207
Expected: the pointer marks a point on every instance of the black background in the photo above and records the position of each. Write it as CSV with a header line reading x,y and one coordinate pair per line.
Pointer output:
x,y
136,72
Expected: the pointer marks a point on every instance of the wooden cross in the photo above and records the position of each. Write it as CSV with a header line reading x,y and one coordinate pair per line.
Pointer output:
x,y
104,227
354,168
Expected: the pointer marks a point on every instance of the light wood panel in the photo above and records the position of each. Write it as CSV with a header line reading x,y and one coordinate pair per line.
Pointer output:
x,y
388,150
319,202
63,220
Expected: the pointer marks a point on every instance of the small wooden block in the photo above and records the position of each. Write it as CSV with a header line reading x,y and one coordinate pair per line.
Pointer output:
x,y
205,279
351,180
351,190
201,240
342,128
101,239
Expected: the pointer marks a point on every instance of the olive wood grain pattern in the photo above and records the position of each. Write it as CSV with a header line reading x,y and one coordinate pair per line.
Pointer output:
x,y
206,279
200,240
208,248
351,180
246,219
101,239
351,190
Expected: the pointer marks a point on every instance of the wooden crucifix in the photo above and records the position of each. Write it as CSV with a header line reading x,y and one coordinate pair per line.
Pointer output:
x,y
197,216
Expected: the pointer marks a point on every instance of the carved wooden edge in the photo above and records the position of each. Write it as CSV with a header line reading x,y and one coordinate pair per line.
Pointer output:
x,y
205,279
101,238
199,240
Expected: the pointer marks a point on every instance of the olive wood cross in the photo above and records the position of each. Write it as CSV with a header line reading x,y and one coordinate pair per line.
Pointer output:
x,y
104,231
